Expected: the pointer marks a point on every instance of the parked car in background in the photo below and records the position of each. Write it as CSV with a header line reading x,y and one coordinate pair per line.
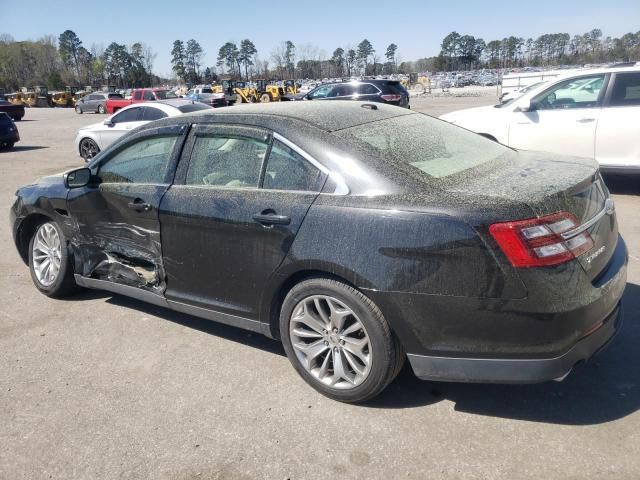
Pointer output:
x,y
139,95
8,131
390,92
92,139
206,95
96,102
588,113
14,111
357,236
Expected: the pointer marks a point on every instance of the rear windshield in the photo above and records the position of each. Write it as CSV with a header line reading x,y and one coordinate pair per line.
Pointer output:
x,y
193,107
115,95
164,94
436,148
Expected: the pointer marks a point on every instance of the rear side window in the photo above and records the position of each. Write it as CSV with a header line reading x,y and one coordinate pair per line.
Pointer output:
x,y
345,90
626,90
148,95
137,95
150,114
395,88
144,161
367,89
226,161
431,146
288,170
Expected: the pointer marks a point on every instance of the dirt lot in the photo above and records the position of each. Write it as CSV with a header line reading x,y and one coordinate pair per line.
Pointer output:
x,y
101,386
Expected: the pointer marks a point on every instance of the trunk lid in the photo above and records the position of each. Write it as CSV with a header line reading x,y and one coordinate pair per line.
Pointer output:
x,y
547,186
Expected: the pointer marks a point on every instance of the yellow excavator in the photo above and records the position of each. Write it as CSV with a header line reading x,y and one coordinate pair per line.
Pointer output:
x,y
268,92
65,98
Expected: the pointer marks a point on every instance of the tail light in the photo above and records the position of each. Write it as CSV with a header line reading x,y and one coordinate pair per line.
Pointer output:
x,y
391,98
541,241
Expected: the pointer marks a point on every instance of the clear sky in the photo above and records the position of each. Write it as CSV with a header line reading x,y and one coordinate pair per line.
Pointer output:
x,y
416,27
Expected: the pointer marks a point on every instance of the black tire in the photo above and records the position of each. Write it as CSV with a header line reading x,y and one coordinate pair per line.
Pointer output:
x,y
386,352
101,109
64,283
9,145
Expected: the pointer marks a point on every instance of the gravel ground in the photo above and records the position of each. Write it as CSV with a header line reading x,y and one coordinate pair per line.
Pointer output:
x,y
102,386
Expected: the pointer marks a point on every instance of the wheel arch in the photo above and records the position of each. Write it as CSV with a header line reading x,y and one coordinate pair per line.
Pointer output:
x,y
25,232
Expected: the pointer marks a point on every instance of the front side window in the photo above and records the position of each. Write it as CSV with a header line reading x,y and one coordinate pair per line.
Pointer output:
x,y
626,90
144,161
226,161
137,95
130,115
321,92
288,170
148,95
580,92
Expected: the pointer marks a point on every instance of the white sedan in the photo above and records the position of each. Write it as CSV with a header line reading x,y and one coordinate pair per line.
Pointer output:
x,y
94,138
592,113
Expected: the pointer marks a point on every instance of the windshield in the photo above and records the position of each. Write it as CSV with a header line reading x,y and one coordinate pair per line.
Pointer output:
x,y
206,90
164,94
193,107
436,148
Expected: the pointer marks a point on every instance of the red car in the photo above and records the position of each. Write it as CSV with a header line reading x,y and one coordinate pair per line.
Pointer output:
x,y
139,95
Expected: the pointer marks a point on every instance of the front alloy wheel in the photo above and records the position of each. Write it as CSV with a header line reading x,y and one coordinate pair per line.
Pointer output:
x,y
330,342
88,149
46,251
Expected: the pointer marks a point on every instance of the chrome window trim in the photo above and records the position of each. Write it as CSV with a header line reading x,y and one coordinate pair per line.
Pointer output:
x,y
341,187
608,209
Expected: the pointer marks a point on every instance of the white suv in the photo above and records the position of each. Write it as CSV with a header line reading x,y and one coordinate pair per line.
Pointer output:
x,y
591,113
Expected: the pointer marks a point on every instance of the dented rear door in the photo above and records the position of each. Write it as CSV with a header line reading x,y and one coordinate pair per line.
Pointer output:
x,y
117,236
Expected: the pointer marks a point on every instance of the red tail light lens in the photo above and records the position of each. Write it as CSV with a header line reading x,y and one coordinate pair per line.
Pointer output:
x,y
391,98
539,242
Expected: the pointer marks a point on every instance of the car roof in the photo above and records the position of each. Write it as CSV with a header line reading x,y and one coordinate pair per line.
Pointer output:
x,y
169,106
329,116
594,71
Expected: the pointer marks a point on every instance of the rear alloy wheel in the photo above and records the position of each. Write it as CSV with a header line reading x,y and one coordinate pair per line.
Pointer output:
x,y
88,149
49,263
338,340
101,109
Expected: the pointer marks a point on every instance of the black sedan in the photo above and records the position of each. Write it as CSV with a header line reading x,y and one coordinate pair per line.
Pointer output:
x,y
358,234
14,111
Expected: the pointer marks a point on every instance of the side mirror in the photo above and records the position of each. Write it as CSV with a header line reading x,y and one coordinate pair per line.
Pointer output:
x,y
525,106
108,122
77,178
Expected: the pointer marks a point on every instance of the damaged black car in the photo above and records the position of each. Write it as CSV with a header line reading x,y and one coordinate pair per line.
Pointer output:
x,y
358,234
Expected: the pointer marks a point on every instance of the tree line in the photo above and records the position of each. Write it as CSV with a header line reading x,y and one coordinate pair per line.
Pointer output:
x,y
57,62
465,52
286,61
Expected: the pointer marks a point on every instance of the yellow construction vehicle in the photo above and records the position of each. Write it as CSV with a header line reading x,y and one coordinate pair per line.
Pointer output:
x,y
422,83
37,96
245,93
268,92
16,98
290,87
64,99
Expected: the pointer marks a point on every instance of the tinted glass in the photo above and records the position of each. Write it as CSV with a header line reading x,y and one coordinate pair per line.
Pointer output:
x,y
344,90
137,95
116,96
367,89
321,92
144,161
148,95
227,161
288,170
5,120
395,88
164,94
151,114
432,146
206,90
574,93
193,107
130,115
626,90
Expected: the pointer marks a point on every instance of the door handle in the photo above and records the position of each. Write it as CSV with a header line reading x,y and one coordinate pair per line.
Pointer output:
x,y
139,205
271,219
586,120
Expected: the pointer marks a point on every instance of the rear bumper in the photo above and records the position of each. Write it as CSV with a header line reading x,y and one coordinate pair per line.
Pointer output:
x,y
484,370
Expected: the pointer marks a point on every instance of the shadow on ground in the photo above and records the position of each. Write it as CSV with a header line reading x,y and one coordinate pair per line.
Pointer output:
x,y
24,148
605,389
